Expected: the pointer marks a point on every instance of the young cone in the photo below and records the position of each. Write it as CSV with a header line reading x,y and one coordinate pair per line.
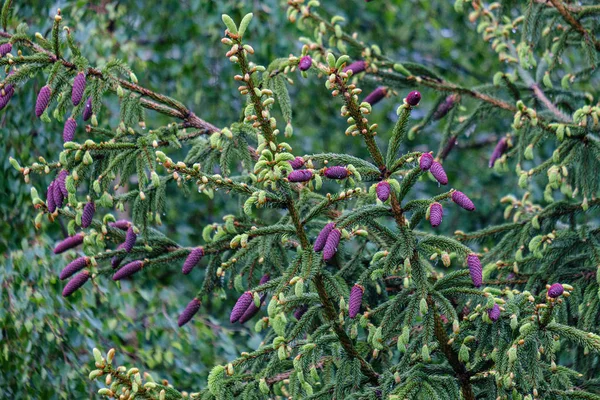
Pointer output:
x,y
50,204
413,98
498,151
88,214
425,161
122,224
462,200
322,238
58,195
241,306
69,130
356,67
188,313
556,290
88,110
331,245
42,101
69,243
438,173
305,63
130,239
300,175
337,172
192,260
494,313
300,311
447,105
128,270
383,190
74,266
297,162
355,300
5,49
78,88
75,283
61,181
116,260
9,91
436,212
376,95
475,269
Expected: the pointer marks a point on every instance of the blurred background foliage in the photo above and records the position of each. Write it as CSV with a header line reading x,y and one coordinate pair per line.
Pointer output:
x,y
174,48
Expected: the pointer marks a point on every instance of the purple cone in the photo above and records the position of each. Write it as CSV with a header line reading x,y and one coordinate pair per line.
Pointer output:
x,y
78,88
69,243
356,67
58,195
88,214
305,63
42,101
116,260
75,283
322,238
300,175
69,130
188,313
122,224
50,198
436,212
438,173
413,98
475,269
5,49
498,151
355,300
128,270
383,190
425,161
494,313
300,311
447,105
264,279
241,306
88,110
74,266
331,244
555,290
130,239
337,172
297,162
61,182
9,91
192,260
462,200
376,95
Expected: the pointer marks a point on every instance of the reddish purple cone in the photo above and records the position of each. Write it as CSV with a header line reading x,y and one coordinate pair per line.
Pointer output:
x,y
331,245
498,151
297,162
356,67
300,175
447,105
475,269
69,130
376,95
42,101
75,283
69,243
322,238
462,200
88,214
122,224
383,190
241,306
88,110
128,270
9,91
58,195
78,88
413,98
494,313
252,310
264,279
61,181
305,63
192,260
425,161
74,266
337,172
555,290
130,239
355,300
300,311
188,313
438,173
5,49
436,212
116,260
50,198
